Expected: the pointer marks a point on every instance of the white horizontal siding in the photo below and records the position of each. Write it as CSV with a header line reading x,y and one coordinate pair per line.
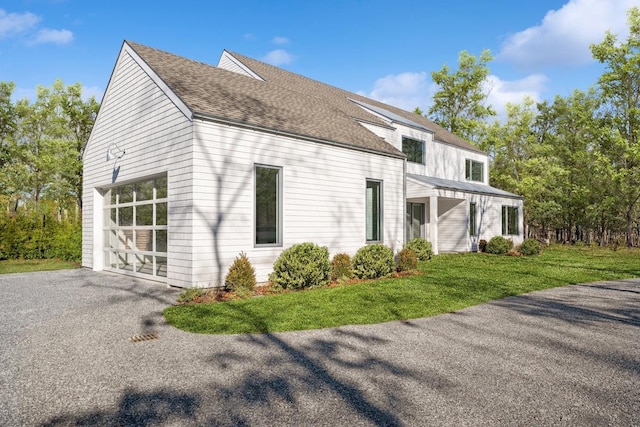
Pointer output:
x,y
145,122
323,197
490,217
452,225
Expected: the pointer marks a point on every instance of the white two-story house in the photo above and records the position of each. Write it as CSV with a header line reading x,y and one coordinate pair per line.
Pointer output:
x,y
190,164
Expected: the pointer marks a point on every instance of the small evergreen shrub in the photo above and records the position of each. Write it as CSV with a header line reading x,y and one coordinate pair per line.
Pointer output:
x,y
301,266
421,247
241,277
373,261
406,260
482,245
498,245
341,267
529,247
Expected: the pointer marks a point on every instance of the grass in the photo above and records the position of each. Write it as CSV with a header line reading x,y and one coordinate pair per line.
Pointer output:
x,y
28,265
449,283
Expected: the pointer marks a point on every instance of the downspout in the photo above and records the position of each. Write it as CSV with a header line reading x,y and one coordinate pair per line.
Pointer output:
x,y
404,202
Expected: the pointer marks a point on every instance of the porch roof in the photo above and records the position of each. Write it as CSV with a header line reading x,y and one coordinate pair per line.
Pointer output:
x,y
466,187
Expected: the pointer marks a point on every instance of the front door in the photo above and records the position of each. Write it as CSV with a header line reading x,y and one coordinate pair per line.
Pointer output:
x,y
415,220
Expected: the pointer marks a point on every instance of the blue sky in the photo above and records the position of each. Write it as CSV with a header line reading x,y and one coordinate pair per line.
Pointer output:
x,y
382,49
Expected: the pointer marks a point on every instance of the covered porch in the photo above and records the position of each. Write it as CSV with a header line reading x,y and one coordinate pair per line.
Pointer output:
x,y
454,215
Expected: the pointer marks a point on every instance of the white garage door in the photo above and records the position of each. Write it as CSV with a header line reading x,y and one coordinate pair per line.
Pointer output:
x,y
136,228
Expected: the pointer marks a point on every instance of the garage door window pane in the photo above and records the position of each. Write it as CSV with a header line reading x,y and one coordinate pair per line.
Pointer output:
x,y
161,240
126,216
144,215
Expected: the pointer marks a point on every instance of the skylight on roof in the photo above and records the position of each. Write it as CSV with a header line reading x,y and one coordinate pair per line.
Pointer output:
x,y
391,116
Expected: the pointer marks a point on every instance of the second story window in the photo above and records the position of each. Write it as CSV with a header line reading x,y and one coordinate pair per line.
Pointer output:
x,y
413,149
474,171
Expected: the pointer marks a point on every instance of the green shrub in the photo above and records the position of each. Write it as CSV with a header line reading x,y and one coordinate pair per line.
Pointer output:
x,y
406,260
498,245
373,261
241,277
421,247
529,247
191,294
38,233
341,267
482,245
301,266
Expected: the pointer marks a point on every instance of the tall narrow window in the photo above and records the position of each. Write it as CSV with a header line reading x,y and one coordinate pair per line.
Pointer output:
x,y
415,220
510,220
374,211
413,149
473,225
474,171
268,226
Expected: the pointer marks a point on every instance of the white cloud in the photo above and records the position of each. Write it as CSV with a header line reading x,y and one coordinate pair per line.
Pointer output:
x,y
280,40
95,91
502,92
16,23
48,35
405,90
564,36
278,57
249,36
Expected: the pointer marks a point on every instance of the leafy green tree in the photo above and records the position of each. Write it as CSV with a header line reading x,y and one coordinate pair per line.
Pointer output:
x,y
459,104
568,126
620,87
522,163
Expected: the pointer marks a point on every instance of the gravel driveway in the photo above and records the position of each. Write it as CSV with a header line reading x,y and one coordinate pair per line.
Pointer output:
x,y
567,356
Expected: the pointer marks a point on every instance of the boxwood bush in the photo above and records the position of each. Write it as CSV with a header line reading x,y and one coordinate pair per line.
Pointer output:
x,y
498,245
529,247
301,266
373,261
421,247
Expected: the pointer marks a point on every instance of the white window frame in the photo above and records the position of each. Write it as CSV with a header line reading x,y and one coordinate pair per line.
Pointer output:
x,y
369,222
278,224
469,167
507,214
422,149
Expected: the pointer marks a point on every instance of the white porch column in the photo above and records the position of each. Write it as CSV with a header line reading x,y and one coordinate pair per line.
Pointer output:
x,y
433,223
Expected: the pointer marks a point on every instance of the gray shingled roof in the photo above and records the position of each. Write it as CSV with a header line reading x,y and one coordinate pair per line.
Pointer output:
x,y
220,94
341,99
284,102
467,187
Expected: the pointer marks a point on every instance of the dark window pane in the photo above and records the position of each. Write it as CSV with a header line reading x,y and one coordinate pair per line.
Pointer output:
x,y
374,211
267,205
161,187
144,190
161,240
161,213
413,149
125,194
126,216
474,171
144,215
472,219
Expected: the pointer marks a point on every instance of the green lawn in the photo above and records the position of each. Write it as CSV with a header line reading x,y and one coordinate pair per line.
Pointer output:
x,y
22,266
450,282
